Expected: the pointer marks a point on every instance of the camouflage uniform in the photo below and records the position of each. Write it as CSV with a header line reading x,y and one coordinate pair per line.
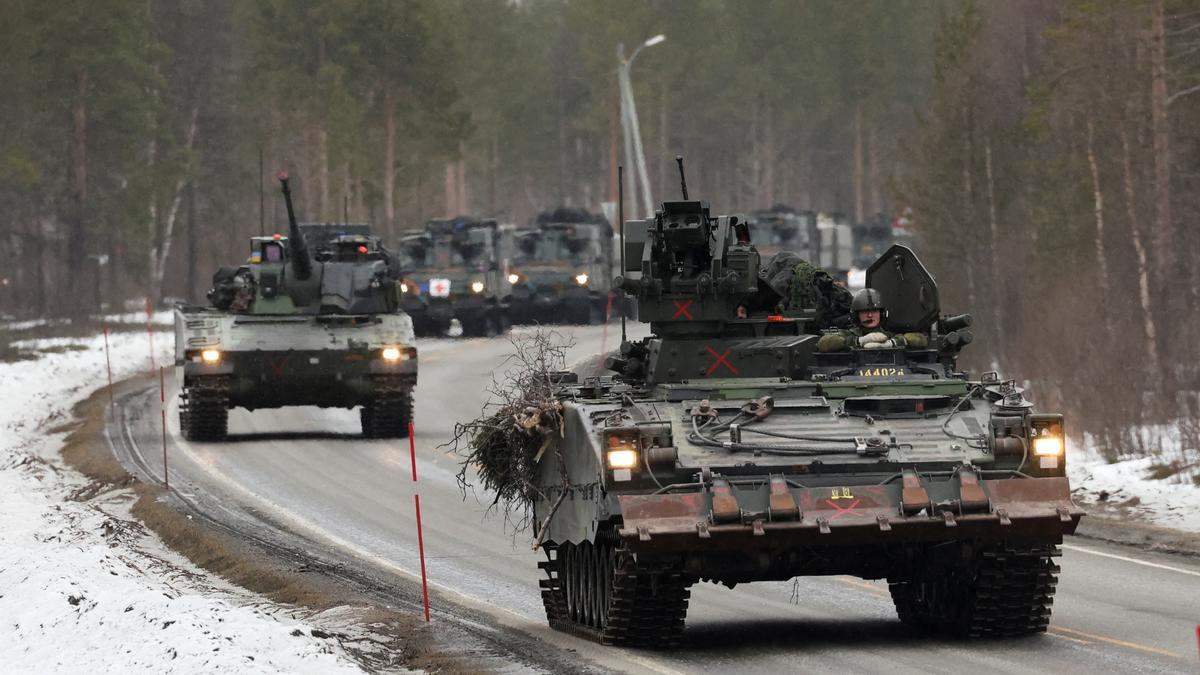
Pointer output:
x,y
858,337
843,340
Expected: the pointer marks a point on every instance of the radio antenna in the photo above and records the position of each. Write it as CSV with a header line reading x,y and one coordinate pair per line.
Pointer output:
x,y
682,177
621,225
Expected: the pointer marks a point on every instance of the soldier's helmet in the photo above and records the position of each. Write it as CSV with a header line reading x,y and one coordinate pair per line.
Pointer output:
x,y
866,300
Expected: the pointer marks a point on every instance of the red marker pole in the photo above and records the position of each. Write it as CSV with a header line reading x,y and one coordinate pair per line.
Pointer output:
x,y
412,451
421,547
108,365
162,408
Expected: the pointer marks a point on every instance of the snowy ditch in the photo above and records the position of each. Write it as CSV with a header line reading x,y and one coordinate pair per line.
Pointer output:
x,y
83,588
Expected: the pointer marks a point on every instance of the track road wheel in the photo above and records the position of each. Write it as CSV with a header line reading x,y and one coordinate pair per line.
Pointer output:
x,y
597,590
387,415
204,414
1006,591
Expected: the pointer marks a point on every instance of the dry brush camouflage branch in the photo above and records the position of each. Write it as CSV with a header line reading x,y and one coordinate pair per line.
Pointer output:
x,y
520,422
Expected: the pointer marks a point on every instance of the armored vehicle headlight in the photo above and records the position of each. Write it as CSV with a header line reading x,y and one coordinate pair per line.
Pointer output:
x,y
392,354
581,278
514,278
1047,445
403,287
211,355
622,459
477,286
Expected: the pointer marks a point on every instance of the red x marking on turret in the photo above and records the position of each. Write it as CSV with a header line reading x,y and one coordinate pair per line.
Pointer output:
x,y
681,308
843,511
720,361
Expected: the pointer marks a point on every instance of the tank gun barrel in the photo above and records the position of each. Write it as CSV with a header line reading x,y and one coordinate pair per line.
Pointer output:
x,y
301,260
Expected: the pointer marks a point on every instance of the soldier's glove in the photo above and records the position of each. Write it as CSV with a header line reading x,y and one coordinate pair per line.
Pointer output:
x,y
886,344
872,338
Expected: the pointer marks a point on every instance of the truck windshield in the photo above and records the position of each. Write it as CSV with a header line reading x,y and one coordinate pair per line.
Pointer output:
x,y
432,253
557,246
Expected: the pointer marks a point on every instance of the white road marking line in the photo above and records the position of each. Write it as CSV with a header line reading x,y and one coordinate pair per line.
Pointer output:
x,y
1135,561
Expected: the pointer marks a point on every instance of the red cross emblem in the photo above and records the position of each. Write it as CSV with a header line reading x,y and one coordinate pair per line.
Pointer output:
x,y
681,308
848,510
721,360
277,367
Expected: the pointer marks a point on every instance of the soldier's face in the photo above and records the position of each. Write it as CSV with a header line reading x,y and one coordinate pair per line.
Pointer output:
x,y
869,318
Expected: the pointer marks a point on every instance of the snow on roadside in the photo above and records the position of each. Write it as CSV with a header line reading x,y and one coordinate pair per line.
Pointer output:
x,y
1172,502
82,589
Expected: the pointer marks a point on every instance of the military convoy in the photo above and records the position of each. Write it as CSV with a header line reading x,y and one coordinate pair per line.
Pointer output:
x,y
560,268
311,319
454,276
727,449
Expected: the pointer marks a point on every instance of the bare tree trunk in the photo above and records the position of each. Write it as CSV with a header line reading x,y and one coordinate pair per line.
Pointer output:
x,y
768,157
1135,231
451,190
858,163
998,298
389,158
1162,160
77,237
664,152
192,253
493,165
969,252
464,204
323,174
161,250
1098,209
874,179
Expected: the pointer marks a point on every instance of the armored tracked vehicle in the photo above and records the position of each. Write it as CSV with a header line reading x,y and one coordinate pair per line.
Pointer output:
x,y
299,326
453,273
561,268
727,449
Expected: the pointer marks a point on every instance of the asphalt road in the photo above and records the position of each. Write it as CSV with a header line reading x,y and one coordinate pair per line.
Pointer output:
x,y
305,471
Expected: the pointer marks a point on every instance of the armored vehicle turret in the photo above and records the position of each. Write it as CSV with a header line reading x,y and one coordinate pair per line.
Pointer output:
x,y
729,449
312,318
453,273
560,268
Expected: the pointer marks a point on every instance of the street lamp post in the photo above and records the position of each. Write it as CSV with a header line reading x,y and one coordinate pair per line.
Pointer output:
x,y
629,120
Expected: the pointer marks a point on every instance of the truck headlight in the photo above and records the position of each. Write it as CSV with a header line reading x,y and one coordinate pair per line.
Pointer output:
x,y
514,278
581,278
391,354
476,286
403,287
1046,446
211,356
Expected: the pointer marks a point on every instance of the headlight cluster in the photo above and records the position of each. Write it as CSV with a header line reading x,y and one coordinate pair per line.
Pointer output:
x,y
394,354
211,356
581,278
477,286
621,454
1048,441
514,278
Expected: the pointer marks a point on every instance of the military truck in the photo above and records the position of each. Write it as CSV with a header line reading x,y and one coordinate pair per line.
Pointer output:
x,y
781,228
296,327
728,450
560,268
453,273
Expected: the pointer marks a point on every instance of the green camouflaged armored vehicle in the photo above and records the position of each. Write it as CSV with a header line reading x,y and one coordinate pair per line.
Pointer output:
x,y
453,274
727,449
561,268
298,327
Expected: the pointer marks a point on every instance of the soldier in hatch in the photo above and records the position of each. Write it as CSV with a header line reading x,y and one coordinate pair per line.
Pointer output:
x,y
868,333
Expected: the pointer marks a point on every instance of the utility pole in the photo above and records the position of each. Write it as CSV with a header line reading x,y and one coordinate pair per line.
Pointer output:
x,y
634,153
